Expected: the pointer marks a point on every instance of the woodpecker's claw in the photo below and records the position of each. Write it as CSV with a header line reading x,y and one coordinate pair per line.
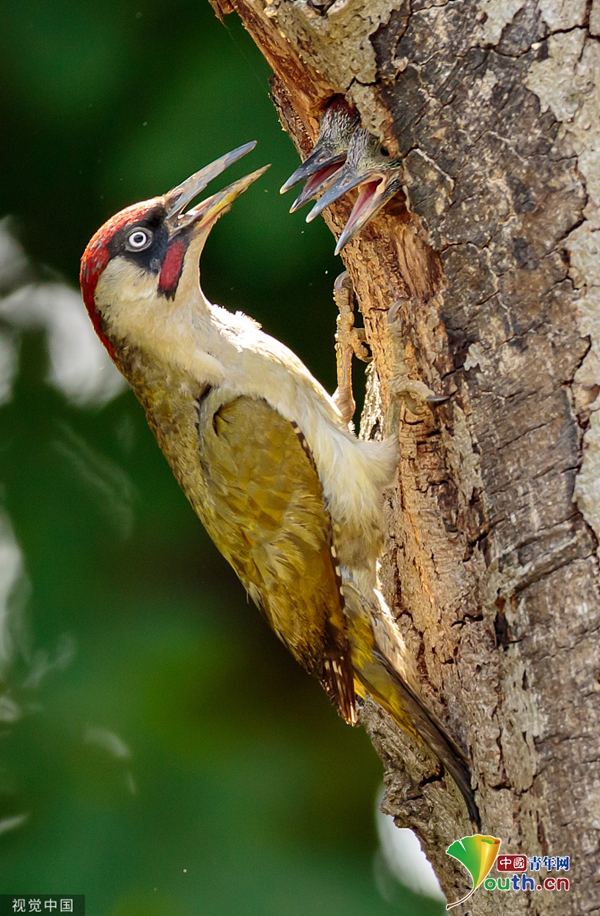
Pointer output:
x,y
349,342
337,126
177,199
379,177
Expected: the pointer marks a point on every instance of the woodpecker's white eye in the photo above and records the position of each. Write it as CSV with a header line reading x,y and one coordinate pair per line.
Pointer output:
x,y
138,239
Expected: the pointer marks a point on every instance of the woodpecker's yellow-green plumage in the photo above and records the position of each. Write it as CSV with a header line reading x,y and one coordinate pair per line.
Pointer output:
x,y
264,510
291,498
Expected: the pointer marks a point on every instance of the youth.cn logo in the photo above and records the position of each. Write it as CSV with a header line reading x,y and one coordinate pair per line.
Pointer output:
x,y
478,854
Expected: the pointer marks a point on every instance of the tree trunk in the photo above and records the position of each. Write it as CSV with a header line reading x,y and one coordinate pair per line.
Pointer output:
x,y
488,260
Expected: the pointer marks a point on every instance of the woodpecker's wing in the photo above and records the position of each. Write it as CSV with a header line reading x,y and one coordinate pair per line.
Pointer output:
x,y
265,511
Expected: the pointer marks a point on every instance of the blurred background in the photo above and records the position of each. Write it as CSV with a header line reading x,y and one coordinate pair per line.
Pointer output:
x,y
160,752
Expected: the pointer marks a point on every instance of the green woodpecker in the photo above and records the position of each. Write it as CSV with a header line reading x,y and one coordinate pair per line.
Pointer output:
x,y
291,498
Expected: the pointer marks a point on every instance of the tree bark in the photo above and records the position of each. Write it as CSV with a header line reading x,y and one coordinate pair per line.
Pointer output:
x,y
490,261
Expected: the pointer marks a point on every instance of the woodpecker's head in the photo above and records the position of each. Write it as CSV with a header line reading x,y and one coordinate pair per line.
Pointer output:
x,y
377,175
150,251
338,124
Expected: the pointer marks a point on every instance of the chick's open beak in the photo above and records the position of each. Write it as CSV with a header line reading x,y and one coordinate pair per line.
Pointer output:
x,y
339,122
378,176
321,159
318,182
373,194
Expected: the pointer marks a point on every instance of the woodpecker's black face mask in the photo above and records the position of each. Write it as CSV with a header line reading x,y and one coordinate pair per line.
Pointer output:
x,y
153,248
150,255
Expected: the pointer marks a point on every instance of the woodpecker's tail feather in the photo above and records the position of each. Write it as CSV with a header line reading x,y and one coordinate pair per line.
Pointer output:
x,y
384,671
401,703
338,680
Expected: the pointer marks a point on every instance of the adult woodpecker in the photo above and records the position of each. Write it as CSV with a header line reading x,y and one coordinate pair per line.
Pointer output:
x,y
291,498
346,156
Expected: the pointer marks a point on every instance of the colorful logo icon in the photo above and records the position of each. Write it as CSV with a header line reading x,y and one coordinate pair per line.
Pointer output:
x,y
477,853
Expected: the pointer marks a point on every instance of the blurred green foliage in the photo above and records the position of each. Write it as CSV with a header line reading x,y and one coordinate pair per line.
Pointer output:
x,y
171,758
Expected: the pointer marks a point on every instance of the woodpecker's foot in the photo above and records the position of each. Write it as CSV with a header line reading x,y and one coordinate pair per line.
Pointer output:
x,y
374,172
349,342
414,393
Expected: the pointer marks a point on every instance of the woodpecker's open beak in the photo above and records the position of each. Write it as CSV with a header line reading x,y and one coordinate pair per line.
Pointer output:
x,y
338,124
320,160
318,181
378,176
208,210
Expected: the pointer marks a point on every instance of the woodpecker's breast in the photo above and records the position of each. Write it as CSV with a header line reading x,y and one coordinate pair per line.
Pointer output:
x,y
200,344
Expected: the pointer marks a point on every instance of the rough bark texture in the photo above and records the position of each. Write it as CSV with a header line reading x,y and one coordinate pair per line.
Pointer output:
x,y
491,262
